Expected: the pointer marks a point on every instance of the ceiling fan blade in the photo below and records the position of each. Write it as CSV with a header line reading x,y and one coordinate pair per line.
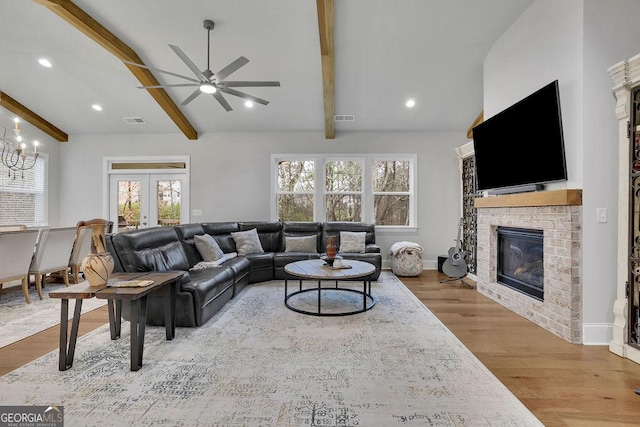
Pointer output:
x,y
234,66
222,101
189,63
174,85
191,97
247,84
243,95
162,71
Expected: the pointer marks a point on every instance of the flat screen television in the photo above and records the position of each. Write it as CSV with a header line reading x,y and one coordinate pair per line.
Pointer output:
x,y
522,145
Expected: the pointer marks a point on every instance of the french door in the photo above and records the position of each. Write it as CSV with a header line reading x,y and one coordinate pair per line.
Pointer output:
x,y
140,200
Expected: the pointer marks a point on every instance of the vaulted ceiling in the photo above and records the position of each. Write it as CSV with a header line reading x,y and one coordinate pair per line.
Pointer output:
x,y
384,52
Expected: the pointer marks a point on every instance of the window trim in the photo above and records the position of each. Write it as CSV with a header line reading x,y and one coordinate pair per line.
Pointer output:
x,y
368,214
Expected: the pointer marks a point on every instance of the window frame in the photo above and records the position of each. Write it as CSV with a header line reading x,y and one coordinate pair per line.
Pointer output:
x,y
320,193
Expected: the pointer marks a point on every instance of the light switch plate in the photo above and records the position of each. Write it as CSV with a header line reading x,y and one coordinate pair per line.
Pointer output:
x,y
196,212
601,215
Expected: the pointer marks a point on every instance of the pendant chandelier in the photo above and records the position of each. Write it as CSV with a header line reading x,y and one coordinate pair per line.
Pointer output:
x,y
14,156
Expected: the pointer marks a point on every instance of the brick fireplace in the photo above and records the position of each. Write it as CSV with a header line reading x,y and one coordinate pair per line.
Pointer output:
x,y
558,214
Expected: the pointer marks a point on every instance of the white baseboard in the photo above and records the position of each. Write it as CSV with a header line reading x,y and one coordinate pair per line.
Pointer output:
x,y
597,333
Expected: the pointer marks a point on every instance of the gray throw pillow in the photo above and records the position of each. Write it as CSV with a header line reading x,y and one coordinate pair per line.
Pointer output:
x,y
353,242
300,244
208,247
247,242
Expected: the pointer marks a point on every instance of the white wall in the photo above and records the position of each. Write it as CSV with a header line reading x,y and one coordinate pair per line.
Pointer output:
x,y
230,174
611,34
575,41
543,45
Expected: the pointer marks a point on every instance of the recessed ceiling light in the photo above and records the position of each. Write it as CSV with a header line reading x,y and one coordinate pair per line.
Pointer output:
x,y
410,103
44,62
248,104
96,107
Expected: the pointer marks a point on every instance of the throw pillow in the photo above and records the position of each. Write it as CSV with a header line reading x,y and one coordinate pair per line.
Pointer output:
x,y
208,247
300,244
247,242
353,242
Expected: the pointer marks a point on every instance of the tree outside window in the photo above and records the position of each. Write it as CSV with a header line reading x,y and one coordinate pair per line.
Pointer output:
x,y
343,199
295,192
391,192
371,188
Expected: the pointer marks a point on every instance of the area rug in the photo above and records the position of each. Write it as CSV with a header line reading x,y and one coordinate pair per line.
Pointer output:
x,y
20,320
257,363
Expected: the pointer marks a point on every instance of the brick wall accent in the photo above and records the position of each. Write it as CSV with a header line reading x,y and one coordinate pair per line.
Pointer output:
x,y
561,310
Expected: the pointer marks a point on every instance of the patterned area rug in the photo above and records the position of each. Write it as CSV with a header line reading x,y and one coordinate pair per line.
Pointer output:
x,y
20,320
256,363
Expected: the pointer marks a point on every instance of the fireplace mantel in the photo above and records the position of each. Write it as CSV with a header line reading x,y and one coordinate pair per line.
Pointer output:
x,y
567,197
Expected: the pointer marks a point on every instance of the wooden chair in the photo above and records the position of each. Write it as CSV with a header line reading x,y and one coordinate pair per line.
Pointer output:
x,y
16,252
52,254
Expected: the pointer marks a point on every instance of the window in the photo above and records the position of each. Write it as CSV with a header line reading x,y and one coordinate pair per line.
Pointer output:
x,y
391,191
343,190
23,195
371,188
295,190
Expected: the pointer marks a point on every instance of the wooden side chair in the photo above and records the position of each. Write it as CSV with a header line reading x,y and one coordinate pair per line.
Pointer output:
x,y
52,254
16,252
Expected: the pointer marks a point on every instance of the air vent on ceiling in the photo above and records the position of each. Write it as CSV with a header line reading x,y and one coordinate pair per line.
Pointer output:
x,y
344,117
134,120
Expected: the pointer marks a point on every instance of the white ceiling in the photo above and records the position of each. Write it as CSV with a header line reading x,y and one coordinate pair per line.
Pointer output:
x,y
385,52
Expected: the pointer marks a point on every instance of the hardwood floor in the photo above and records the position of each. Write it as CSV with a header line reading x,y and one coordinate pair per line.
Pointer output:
x,y
562,384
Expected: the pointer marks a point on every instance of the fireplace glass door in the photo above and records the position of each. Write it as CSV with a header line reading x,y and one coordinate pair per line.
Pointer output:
x,y
521,260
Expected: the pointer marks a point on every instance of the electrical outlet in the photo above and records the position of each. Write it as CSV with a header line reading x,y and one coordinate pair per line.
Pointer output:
x,y
196,212
601,214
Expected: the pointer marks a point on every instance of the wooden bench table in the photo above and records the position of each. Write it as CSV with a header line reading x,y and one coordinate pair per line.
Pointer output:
x,y
166,282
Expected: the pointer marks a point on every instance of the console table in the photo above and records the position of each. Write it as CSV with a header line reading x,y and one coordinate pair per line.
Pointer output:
x,y
164,282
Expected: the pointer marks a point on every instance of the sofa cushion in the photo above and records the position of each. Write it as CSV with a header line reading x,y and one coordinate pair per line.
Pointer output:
x,y
352,242
208,248
247,242
301,244
269,233
221,231
150,249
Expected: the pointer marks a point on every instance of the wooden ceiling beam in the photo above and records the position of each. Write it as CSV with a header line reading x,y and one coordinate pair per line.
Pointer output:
x,y
475,123
325,27
29,116
77,17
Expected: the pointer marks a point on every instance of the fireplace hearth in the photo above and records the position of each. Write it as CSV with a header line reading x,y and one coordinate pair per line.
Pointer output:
x,y
521,260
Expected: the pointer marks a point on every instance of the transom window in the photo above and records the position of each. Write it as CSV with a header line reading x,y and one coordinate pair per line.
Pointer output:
x,y
371,188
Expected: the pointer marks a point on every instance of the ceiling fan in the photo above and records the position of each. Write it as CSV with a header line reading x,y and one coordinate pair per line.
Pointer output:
x,y
208,82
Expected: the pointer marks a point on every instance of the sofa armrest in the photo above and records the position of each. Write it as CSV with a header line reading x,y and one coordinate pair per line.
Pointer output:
x,y
372,249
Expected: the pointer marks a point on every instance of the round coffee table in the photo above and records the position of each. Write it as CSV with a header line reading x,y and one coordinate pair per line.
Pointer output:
x,y
317,269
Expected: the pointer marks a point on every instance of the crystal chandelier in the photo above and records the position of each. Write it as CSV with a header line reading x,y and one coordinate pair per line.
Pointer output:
x,y
14,153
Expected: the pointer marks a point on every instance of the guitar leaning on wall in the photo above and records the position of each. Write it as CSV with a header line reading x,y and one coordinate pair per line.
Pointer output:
x,y
455,266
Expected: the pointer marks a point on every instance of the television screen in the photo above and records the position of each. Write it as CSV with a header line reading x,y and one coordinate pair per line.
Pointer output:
x,y
523,144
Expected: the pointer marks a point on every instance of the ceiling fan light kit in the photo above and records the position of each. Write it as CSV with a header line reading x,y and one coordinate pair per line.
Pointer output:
x,y
209,82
